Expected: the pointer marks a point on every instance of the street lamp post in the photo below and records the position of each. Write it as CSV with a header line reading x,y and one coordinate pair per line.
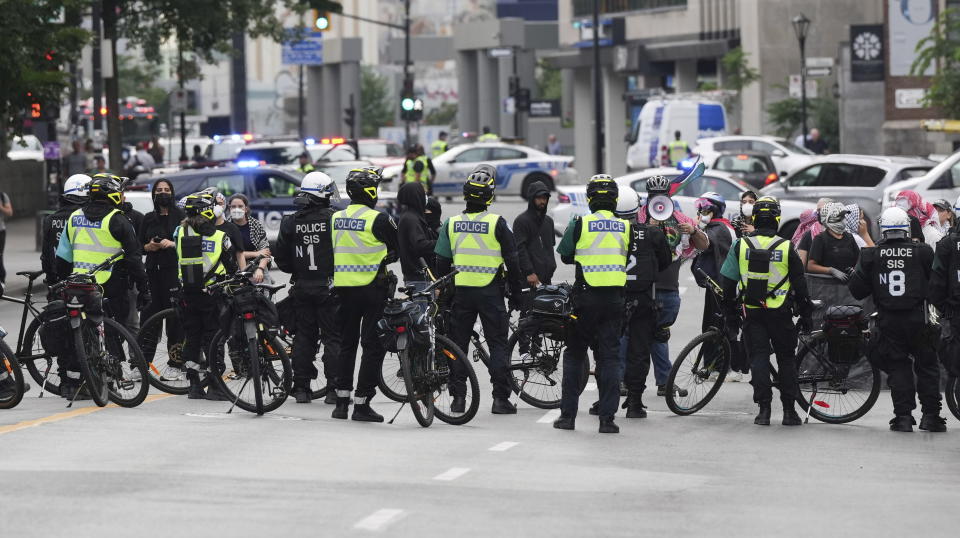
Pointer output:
x,y
800,26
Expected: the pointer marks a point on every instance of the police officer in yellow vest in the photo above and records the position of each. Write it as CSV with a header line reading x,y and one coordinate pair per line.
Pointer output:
x,y
93,234
765,273
416,169
204,253
364,243
306,163
487,136
479,244
439,146
597,244
677,150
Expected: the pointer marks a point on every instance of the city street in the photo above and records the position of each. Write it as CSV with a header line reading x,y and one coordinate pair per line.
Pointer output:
x,y
177,466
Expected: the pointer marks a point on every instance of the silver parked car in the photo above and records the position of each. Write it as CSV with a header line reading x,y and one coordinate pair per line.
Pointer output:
x,y
850,179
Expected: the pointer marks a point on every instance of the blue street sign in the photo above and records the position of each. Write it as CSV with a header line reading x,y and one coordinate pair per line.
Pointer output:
x,y
308,50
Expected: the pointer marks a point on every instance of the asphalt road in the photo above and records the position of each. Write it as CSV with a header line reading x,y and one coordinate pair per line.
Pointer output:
x,y
180,467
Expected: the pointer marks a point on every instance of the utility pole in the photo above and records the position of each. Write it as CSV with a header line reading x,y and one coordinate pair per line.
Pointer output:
x,y
183,113
238,86
406,63
97,85
597,89
111,87
300,102
516,109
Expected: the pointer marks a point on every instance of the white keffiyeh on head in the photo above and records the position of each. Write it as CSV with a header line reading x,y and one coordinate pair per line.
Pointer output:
x,y
832,216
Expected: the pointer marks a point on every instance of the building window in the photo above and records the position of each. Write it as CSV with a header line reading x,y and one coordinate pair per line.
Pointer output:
x,y
583,8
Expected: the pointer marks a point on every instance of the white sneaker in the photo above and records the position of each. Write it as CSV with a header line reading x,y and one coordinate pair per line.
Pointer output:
x,y
736,377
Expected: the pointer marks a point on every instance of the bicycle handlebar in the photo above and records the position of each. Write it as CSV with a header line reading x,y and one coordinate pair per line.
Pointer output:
x,y
429,289
711,283
239,276
79,277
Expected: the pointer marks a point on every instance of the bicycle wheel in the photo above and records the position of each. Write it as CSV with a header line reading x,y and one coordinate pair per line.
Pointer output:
x,y
231,371
87,347
42,366
451,362
11,378
537,375
253,352
126,368
420,395
840,392
952,395
391,378
165,366
692,383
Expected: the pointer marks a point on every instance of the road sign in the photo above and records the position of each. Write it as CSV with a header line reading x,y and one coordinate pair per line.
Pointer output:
x,y
819,71
819,62
503,52
178,101
302,48
909,97
795,87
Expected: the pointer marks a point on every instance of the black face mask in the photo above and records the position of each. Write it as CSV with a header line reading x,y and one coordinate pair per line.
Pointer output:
x,y
163,199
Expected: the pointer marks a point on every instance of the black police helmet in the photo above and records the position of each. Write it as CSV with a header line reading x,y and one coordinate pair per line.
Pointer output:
x,y
766,210
602,189
200,203
106,187
479,187
362,184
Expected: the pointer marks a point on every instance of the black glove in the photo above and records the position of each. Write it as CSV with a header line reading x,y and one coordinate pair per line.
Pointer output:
x,y
805,323
144,299
513,304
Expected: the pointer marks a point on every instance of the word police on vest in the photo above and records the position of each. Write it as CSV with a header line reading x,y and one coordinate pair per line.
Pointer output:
x,y
349,224
312,227
607,226
470,227
896,252
81,221
208,246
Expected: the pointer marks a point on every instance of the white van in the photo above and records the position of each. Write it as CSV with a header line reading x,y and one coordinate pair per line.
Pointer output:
x,y
659,118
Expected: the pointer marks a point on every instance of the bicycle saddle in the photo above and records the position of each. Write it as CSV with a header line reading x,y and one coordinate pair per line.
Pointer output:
x,y
272,288
32,275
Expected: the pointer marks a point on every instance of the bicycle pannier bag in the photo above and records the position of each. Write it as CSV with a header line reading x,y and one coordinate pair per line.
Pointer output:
x,y
843,326
55,329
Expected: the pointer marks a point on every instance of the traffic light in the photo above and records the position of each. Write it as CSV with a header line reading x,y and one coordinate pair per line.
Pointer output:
x,y
349,115
320,20
411,108
522,100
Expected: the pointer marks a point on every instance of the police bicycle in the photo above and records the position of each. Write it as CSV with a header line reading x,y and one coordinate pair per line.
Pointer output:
x,y
428,363
111,364
247,360
40,363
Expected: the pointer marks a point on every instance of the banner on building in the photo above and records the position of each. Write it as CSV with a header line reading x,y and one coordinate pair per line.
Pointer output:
x,y
908,21
545,108
866,52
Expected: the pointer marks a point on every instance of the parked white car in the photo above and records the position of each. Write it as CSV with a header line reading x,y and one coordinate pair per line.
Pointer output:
x,y
941,182
572,201
786,156
25,148
517,167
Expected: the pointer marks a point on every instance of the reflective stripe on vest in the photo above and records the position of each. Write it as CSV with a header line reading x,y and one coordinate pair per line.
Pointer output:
x,y
779,269
678,151
438,147
211,253
92,243
601,250
410,176
476,251
357,253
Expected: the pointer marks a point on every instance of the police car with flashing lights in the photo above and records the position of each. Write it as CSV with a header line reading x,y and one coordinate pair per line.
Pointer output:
x,y
517,167
270,189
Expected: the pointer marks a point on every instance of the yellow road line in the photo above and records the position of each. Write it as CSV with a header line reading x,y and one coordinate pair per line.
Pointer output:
x,y
69,414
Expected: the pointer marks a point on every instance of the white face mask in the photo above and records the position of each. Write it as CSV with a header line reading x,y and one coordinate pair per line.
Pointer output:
x,y
704,220
218,211
903,204
746,210
237,213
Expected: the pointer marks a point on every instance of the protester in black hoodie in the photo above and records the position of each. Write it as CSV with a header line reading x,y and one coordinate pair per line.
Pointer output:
x,y
417,239
434,214
533,230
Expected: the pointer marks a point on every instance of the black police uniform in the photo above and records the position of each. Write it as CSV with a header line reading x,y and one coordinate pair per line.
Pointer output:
x,y
944,293
648,254
305,250
52,227
896,273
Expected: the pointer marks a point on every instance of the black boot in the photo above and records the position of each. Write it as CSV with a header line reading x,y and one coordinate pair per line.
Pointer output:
x,y
301,394
607,426
502,406
564,423
901,423
595,409
790,417
214,394
763,417
330,398
343,404
635,408
933,422
459,404
196,388
362,412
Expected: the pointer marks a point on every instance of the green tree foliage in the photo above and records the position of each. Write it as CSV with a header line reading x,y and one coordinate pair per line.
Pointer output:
x,y
30,32
445,114
822,113
942,49
376,105
737,73
549,83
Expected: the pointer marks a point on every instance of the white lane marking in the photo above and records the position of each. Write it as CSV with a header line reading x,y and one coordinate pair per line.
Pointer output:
x,y
549,416
590,386
452,473
379,519
503,447
682,290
